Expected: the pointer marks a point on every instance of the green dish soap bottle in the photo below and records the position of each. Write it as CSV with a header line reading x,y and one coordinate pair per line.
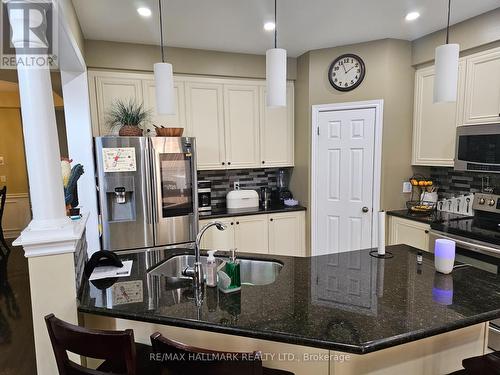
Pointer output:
x,y
233,271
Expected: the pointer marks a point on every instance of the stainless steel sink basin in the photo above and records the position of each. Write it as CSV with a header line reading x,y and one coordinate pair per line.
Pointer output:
x,y
252,272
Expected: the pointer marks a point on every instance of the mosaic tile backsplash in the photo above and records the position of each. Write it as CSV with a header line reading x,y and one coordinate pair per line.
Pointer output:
x,y
452,183
223,181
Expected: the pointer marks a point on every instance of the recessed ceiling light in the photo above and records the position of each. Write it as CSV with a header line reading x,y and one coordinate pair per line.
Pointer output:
x,y
269,26
145,12
412,16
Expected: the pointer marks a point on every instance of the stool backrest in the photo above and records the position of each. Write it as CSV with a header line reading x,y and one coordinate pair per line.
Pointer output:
x,y
178,359
113,346
3,197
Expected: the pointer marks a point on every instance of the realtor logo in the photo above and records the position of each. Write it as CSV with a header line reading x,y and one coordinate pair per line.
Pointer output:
x,y
29,34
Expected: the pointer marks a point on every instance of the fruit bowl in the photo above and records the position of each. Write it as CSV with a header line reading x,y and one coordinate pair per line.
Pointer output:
x,y
420,207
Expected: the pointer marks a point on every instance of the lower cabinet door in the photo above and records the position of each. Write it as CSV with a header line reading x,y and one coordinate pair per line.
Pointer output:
x,y
251,234
408,232
287,234
214,239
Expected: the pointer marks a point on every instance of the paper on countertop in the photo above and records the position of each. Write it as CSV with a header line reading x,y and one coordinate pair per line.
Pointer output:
x,y
110,271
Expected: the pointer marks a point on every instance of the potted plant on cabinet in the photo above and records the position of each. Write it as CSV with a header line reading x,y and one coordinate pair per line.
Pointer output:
x,y
129,116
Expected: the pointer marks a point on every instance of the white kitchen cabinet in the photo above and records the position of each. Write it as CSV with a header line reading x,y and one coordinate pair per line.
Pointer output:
x,y
233,126
286,234
241,118
217,239
280,234
251,234
482,89
434,125
205,121
408,232
277,131
105,89
177,120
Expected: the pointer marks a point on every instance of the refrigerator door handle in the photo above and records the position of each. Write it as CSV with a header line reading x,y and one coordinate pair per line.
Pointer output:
x,y
150,191
155,198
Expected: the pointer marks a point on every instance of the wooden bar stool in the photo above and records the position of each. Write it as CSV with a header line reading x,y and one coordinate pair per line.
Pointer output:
x,y
484,364
179,359
3,243
122,356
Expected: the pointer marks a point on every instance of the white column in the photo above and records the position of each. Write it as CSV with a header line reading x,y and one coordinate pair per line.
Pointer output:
x,y
51,238
40,136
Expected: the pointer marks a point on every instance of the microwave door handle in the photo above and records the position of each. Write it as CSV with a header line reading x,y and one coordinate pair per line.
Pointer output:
x,y
466,245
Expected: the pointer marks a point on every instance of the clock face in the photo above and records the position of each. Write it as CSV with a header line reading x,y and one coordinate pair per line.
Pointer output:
x,y
346,72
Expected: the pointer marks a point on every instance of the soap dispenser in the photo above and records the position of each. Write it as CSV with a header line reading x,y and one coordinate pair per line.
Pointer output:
x,y
211,278
233,271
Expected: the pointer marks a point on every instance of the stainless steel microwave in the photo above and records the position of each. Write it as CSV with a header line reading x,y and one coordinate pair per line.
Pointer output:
x,y
478,148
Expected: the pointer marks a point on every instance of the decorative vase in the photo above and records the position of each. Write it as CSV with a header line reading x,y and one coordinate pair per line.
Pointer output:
x,y
130,131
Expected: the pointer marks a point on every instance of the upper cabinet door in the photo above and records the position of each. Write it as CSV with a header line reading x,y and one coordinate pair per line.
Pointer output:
x,y
205,121
178,120
482,91
434,125
277,132
108,89
241,117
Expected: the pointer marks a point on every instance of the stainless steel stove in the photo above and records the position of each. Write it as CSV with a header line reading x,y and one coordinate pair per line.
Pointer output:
x,y
478,242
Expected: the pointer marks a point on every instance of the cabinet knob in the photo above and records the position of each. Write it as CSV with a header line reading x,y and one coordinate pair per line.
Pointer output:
x,y
232,223
237,223
426,231
271,219
263,162
228,163
223,163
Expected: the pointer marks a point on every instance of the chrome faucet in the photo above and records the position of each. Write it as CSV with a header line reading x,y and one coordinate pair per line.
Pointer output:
x,y
196,272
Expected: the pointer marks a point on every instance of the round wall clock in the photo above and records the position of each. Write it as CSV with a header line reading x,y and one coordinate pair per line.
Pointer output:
x,y
346,72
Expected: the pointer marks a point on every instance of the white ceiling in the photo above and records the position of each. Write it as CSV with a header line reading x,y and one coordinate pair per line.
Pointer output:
x,y
237,25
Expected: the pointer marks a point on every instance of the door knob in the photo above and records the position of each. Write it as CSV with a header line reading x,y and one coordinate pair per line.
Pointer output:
x,y
365,209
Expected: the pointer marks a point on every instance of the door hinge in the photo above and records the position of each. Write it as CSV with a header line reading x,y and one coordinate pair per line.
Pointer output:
x,y
317,130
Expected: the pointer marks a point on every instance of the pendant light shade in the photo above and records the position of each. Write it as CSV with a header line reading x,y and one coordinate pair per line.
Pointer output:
x,y
164,79
446,68
276,77
164,86
276,71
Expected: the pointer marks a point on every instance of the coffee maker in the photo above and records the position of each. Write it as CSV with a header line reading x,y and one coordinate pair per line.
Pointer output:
x,y
283,180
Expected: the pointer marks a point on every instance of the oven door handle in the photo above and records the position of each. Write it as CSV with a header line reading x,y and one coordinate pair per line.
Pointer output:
x,y
467,245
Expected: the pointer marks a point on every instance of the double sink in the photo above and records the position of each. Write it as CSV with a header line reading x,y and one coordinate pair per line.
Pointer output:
x,y
252,272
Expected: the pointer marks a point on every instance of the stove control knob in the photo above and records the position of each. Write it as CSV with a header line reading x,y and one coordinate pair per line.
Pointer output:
x,y
491,202
482,200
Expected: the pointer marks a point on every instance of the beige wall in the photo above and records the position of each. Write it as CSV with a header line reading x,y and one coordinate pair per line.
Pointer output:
x,y
389,76
470,34
12,141
12,150
141,57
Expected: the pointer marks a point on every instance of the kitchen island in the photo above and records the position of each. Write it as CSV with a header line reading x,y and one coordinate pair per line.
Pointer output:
x,y
346,313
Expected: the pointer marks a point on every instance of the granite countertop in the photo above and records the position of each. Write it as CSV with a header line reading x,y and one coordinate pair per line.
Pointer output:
x,y
225,212
349,302
435,217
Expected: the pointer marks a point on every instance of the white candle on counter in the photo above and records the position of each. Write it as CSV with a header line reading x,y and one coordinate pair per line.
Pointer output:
x,y
381,233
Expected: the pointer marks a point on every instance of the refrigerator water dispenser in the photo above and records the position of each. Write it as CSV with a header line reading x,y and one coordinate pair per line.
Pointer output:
x,y
120,199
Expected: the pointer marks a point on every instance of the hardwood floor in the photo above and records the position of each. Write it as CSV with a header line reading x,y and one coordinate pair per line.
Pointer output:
x,y
17,348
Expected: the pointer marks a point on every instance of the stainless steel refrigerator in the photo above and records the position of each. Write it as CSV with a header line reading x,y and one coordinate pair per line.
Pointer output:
x,y
147,190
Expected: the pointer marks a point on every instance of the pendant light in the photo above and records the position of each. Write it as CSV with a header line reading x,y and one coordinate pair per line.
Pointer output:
x,y
276,71
164,79
446,66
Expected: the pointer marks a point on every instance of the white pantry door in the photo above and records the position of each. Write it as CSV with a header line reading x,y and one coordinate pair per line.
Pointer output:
x,y
344,180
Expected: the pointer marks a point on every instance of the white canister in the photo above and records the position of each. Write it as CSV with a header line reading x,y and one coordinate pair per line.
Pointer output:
x,y
444,255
